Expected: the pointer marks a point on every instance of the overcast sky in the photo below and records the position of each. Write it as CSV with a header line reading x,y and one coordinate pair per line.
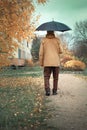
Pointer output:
x,y
65,11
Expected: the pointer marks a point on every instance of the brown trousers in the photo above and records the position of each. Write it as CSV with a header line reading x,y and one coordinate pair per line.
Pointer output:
x,y
47,74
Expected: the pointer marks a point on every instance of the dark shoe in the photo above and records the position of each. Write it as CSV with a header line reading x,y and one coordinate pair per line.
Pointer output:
x,y
47,93
55,92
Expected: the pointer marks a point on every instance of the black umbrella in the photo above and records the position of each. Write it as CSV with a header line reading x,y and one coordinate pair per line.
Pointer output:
x,y
53,26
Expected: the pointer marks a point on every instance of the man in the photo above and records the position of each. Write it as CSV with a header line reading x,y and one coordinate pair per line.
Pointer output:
x,y
49,57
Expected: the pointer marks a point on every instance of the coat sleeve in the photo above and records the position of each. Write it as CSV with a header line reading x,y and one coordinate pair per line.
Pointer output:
x,y
41,54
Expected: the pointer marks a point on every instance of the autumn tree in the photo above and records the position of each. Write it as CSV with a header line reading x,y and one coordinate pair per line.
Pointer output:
x,y
16,24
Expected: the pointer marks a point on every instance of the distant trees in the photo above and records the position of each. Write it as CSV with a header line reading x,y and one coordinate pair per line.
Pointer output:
x,y
16,22
81,31
35,49
80,39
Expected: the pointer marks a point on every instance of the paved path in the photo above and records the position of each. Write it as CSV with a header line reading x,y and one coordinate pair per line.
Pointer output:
x,y
70,105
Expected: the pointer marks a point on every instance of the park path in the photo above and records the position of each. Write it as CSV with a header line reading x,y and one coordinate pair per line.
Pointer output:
x,y
69,108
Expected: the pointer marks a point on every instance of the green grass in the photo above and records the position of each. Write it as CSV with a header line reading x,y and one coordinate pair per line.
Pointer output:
x,y
85,72
23,71
17,107
22,103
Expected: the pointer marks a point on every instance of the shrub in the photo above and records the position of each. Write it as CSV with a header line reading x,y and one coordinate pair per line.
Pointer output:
x,y
75,65
83,59
65,59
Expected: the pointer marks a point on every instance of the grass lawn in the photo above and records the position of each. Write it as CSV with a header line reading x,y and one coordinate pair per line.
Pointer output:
x,y
22,71
21,107
22,100
85,72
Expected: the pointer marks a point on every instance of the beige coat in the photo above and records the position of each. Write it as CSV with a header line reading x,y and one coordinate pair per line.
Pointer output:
x,y
50,50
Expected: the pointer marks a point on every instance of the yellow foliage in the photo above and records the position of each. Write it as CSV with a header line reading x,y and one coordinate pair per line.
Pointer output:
x,y
75,64
42,1
66,58
15,22
3,60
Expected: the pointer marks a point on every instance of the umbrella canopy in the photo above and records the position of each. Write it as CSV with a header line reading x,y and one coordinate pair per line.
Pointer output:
x,y
53,26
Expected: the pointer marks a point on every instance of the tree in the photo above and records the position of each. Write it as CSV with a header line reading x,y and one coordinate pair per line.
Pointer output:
x,y
16,22
80,39
35,49
81,31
